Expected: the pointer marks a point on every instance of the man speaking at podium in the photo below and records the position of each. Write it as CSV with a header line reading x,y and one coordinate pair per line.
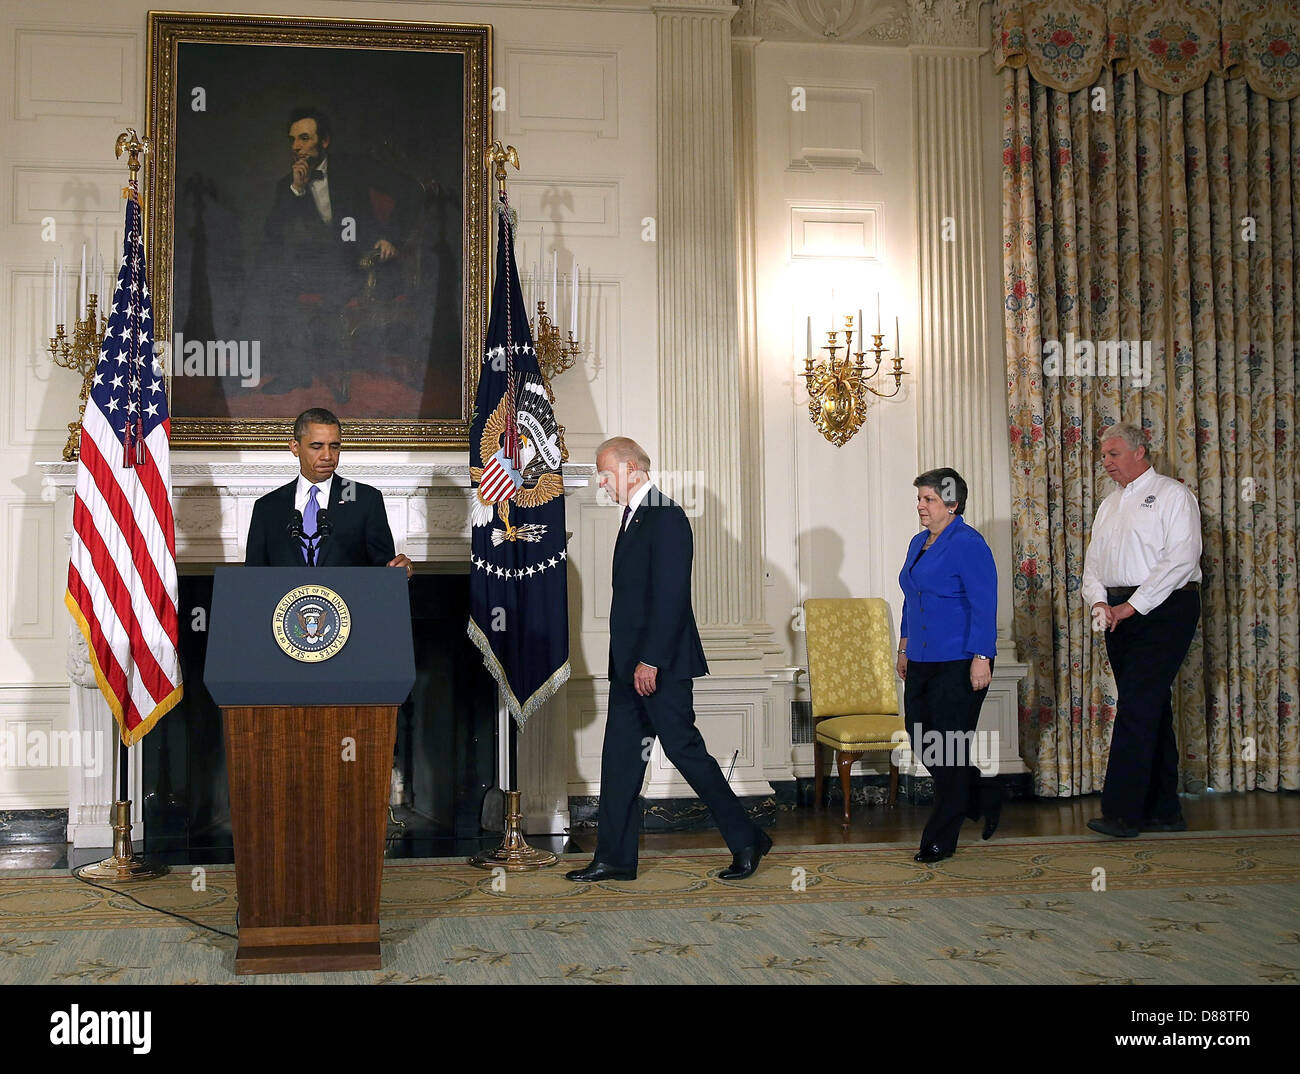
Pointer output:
x,y
321,519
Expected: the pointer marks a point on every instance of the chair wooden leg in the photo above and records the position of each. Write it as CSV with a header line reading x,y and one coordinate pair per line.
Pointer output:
x,y
819,782
893,781
845,762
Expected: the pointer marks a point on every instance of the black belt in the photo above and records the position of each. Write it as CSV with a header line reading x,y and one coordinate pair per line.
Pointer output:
x,y
1121,593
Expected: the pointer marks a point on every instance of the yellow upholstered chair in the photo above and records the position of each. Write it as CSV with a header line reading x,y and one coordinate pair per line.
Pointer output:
x,y
854,697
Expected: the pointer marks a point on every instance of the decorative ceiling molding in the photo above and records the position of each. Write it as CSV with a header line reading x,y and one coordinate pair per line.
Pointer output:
x,y
952,23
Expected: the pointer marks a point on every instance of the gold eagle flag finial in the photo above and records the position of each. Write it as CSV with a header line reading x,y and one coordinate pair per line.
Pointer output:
x,y
498,156
136,147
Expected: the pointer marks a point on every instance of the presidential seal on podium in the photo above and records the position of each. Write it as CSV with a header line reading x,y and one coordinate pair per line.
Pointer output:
x,y
311,623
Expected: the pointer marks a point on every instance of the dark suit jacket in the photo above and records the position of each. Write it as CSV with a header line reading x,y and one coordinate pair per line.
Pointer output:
x,y
650,616
361,537
311,255
350,180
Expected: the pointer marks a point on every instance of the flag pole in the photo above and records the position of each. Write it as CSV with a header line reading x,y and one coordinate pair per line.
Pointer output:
x,y
513,853
124,865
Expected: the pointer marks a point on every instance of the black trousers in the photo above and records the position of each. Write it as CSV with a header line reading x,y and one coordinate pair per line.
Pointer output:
x,y
941,708
633,723
1146,652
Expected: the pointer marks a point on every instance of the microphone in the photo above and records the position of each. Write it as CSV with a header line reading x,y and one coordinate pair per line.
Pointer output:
x,y
294,528
324,527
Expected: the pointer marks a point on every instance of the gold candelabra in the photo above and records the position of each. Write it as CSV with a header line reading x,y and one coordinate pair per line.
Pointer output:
x,y
80,353
554,355
837,387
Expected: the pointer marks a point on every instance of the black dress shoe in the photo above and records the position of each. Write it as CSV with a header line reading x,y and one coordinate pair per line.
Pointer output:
x,y
598,870
932,853
744,862
991,817
1113,827
1153,825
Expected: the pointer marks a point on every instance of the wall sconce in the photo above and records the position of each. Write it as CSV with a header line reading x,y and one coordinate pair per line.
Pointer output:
x,y
837,387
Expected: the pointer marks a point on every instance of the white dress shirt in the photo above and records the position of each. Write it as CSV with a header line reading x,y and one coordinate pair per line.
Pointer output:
x,y
1146,534
320,191
634,501
303,491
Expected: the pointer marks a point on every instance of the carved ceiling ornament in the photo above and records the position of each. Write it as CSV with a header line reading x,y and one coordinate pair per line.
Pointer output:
x,y
893,22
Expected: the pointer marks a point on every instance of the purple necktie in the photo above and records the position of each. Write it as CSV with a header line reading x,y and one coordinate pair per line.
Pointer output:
x,y
626,512
309,513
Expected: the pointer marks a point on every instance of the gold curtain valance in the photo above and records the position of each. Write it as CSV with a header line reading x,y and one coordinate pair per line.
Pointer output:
x,y
1174,44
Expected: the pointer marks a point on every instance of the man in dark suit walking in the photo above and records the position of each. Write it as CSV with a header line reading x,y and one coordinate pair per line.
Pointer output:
x,y
654,653
341,522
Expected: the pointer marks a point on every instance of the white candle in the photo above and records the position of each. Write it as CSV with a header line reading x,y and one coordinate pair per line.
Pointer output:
x,y
573,316
878,328
809,353
862,330
54,299
555,269
898,345
81,304
99,265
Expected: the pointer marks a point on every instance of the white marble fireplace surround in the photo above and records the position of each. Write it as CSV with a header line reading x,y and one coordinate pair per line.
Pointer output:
x,y
427,504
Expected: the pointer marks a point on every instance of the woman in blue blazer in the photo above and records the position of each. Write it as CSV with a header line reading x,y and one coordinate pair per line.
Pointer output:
x,y
946,647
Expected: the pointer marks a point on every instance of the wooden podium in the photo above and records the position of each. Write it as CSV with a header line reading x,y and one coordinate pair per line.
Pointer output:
x,y
309,748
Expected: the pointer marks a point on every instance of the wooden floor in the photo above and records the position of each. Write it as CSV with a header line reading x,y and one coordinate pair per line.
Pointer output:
x,y
901,824
1040,817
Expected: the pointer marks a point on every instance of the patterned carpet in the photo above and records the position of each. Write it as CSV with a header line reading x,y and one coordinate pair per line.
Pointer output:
x,y
1188,908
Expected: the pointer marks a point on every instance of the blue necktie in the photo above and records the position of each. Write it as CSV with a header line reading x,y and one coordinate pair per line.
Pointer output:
x,y
309,513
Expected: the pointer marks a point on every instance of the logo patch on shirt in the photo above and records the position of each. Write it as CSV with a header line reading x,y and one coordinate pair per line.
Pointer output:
x,y
1150,501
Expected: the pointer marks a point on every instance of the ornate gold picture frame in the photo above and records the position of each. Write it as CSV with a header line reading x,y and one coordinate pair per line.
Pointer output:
x,y
317,213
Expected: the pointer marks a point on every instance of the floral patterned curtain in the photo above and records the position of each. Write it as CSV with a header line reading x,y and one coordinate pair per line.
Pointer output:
x,y
1173,45
1169,217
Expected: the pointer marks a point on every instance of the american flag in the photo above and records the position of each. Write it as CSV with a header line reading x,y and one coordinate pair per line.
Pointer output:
x,y
122,576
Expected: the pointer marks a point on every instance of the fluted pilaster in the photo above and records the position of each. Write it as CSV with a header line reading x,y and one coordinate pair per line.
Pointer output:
x,y
955,401
709,415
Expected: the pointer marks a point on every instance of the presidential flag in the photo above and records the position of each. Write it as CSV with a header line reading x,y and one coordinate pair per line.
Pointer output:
x,y
519,592
122,575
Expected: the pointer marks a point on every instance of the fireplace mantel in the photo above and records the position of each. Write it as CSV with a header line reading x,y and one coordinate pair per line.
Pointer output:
x,y
428,510
427,503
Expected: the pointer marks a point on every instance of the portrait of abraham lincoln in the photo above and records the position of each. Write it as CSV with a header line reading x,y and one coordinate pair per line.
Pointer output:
x,y
318,253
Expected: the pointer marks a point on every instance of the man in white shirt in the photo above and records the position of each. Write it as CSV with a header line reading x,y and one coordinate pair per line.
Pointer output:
x,y
1141,578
